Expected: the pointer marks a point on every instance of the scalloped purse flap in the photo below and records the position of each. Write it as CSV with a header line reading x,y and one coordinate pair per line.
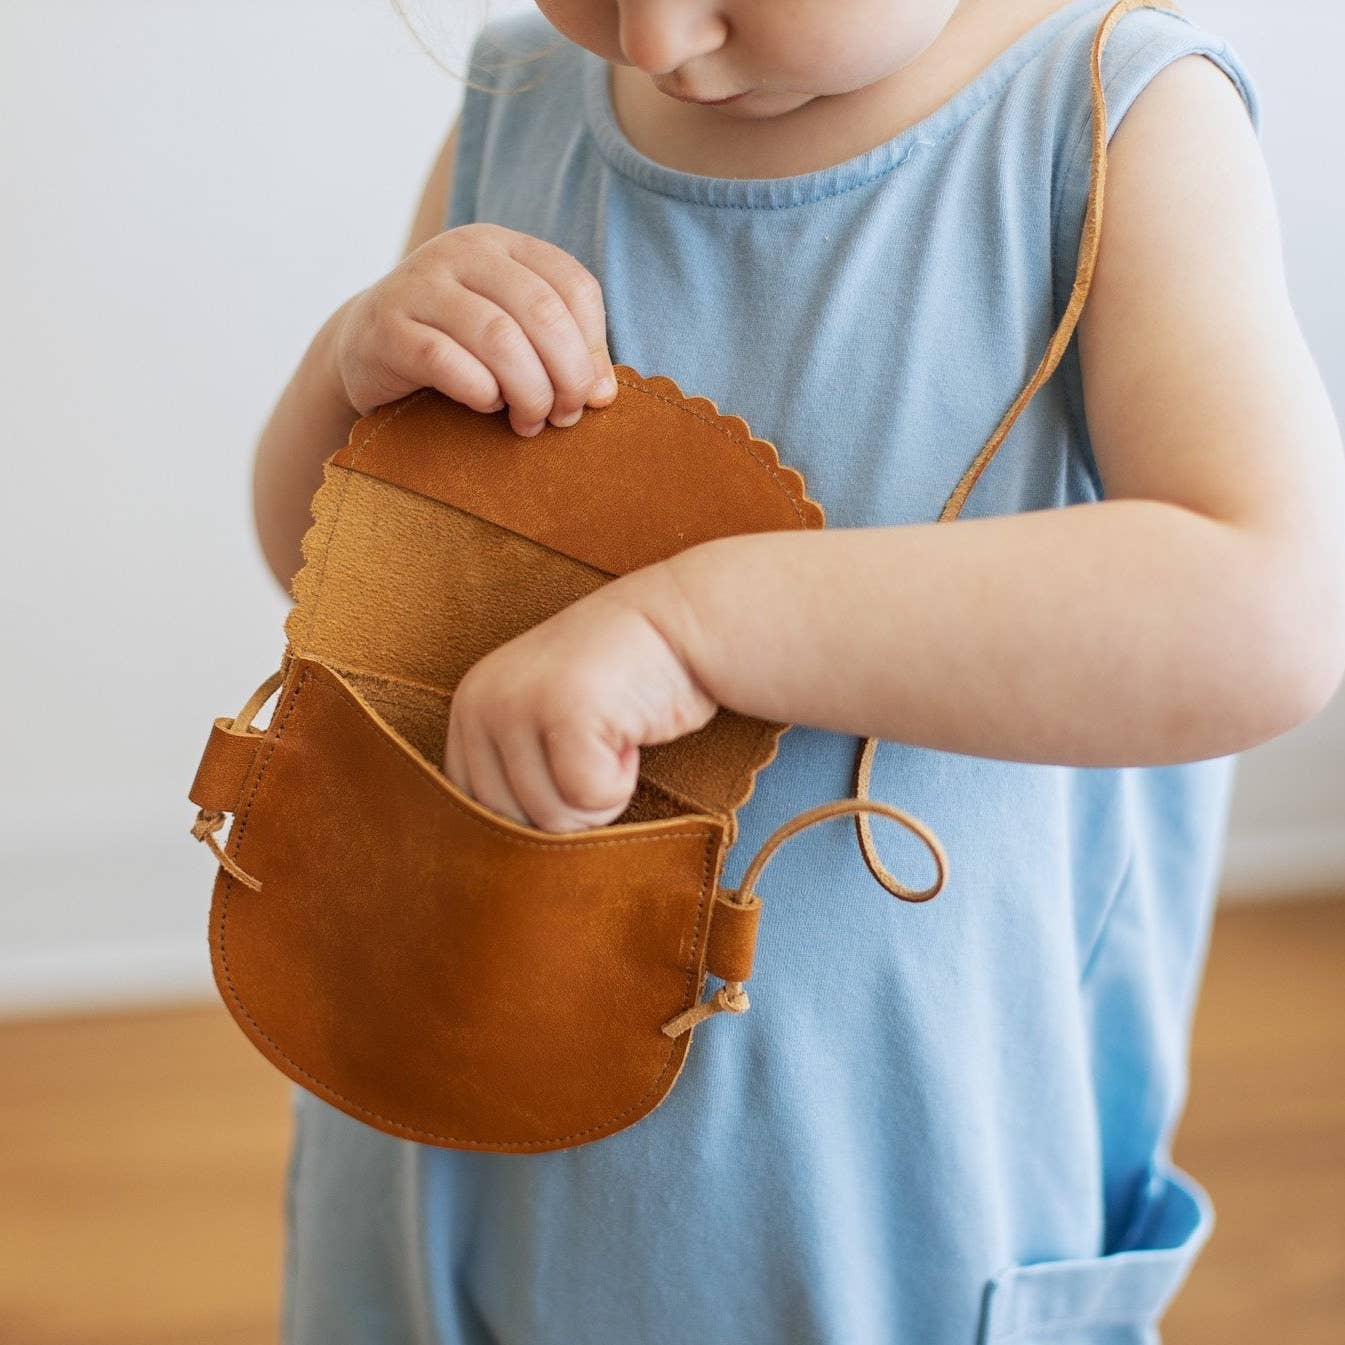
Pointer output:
x,y
439,534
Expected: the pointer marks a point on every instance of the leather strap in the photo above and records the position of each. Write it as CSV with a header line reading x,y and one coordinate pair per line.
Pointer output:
x,y
733,935
225,765
1083,280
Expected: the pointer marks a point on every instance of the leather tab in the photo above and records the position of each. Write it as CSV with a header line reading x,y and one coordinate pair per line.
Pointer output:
x,y
225,765
733,936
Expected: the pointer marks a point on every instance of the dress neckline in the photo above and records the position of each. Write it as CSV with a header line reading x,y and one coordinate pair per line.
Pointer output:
x,y
773,193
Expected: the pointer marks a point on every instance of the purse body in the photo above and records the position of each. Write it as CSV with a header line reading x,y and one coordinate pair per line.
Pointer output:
x,y
441,972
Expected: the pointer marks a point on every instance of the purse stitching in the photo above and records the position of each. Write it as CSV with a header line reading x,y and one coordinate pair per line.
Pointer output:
x,y
395,688
673,1051
440,784
718,426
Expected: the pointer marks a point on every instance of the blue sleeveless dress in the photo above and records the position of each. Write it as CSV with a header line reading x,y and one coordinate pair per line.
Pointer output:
x,y
940,1124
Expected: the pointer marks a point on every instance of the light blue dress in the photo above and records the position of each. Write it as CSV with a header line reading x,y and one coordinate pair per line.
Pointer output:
x,y
944,1124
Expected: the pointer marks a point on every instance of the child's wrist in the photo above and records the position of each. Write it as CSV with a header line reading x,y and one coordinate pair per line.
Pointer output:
x,y
669,595
324,364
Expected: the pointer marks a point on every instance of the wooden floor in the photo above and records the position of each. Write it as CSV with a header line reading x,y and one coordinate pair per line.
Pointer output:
x,y
142,1155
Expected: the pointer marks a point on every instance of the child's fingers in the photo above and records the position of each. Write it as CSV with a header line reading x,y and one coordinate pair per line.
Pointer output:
x,y
528,772
489,785
538,317
530,780
580,289
441,363
591,778
487,330
455,760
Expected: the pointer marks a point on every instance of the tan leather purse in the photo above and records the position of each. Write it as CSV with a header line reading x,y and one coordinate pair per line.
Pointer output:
x,y
433,969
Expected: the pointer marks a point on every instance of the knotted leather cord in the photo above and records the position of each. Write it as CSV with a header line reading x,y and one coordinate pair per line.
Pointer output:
x,y
210,820
731,997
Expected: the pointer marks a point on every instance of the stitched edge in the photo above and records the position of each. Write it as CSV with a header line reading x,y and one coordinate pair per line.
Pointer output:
x,y
678,1047
1034,1331
441,785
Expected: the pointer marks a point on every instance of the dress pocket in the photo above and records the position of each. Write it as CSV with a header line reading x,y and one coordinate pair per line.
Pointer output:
x,y
1106,1300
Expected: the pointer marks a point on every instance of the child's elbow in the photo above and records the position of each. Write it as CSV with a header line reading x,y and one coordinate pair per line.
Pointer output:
x,y
1303,642
1266,631
1322,681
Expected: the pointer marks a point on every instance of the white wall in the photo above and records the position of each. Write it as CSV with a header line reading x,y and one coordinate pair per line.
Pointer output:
x,y
1288,823
189,190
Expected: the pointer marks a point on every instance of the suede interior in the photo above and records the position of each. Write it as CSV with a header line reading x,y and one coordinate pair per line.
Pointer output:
x,y
402,592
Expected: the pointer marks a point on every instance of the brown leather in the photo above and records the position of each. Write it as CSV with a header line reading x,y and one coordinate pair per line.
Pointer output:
x,y
733,935
406,585
437,970
225,764
616,498
429,967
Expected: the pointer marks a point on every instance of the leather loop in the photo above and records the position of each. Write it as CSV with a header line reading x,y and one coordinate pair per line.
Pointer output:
x,y
822,811
876,866
733,935
731,997
224,766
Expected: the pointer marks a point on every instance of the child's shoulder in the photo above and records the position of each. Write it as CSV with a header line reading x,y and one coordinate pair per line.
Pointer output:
x,y
1143,42
1057,95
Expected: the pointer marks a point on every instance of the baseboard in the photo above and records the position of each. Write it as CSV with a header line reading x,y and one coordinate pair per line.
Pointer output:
x,y
70,980
87,930
1285,863
84,928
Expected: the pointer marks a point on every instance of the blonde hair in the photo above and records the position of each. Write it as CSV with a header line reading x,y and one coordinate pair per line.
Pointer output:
x,y
401,8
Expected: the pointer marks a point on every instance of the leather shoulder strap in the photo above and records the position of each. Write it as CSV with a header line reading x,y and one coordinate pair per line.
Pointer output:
x,y
1083,280
1088,251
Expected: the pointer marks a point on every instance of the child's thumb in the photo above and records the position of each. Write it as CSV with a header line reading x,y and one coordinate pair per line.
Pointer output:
x,y
594,778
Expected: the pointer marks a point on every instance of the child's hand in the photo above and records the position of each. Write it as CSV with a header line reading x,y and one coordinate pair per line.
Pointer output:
x,y
487,316
546,729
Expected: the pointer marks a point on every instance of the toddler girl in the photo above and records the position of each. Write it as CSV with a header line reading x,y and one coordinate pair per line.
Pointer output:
x,y
857,223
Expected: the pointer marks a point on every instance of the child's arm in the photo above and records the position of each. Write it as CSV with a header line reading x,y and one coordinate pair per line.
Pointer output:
x,y
313,415
485,315
1198,610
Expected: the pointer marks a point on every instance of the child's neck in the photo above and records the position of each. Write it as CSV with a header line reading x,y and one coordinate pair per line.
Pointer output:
x,y
827,130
